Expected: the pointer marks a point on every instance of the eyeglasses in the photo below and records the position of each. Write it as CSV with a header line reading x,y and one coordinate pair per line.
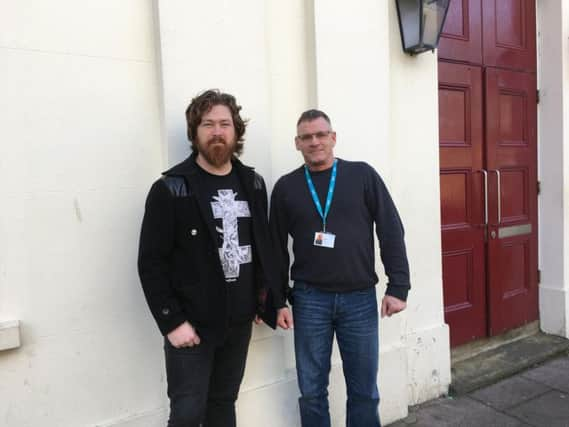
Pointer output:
x,y
307,137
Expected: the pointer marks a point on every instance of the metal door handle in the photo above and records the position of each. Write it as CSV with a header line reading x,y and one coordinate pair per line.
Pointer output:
x,y
498,178
485,172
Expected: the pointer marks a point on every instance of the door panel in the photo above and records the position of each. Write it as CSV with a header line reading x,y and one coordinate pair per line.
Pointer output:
x,y
511,153
509,34
514,194
489,249
462,211
461,39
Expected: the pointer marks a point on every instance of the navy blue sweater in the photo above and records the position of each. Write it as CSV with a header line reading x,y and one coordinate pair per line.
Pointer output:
x,y
360,201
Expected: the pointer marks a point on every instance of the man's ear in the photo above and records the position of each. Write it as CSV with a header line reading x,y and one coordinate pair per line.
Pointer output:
x,y
296,143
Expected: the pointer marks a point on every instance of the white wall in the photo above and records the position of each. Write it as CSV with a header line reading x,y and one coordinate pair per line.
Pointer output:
x,y
79,144
257,53
553,21
365,82
415,150
285,57
565,78
93,95
93,100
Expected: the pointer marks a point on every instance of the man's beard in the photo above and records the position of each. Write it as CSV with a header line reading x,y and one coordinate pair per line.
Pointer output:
x,y
217,151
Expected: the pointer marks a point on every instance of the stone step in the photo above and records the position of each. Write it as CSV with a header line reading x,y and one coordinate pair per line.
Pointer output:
x,y
493,365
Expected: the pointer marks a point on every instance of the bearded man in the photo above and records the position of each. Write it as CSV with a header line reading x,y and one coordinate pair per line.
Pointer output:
x,y
204,266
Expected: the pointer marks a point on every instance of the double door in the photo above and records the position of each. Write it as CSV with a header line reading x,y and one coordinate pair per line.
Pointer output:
x,y
488,167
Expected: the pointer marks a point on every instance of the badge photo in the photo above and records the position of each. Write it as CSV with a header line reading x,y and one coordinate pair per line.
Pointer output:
x,y
324,239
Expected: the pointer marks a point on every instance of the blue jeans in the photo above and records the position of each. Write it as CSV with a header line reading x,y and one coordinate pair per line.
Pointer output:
x,y
204,380
353,317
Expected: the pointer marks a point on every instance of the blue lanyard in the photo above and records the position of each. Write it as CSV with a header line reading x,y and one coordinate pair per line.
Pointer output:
x,y
331,186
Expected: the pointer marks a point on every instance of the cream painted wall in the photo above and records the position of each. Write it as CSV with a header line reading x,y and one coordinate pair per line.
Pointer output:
x,y
93,95
79,144
415,150
565,79
259,55
285,57
553,21
195,58
93,101
365,82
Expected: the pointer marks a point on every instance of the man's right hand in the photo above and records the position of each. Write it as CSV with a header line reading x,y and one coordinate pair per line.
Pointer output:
x,y
184,336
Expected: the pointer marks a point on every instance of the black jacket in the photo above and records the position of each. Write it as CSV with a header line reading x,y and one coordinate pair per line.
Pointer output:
x,y
178,262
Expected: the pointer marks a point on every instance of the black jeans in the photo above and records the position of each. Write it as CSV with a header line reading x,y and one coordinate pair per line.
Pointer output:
x,y
204,380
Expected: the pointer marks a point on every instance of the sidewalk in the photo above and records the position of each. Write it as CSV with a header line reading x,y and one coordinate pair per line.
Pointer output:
x,y
536,397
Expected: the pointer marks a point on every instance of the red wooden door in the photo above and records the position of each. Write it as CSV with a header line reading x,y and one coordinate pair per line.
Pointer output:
x,y
487,126
509,34
461,39
511,160
462,200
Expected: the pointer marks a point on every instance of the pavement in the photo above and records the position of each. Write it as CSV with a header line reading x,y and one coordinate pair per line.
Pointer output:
x,y
537,396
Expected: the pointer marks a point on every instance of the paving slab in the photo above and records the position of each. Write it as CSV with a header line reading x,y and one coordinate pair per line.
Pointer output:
x,y
534,398
554,374
548,410
459,412
538,397
510,392
496,364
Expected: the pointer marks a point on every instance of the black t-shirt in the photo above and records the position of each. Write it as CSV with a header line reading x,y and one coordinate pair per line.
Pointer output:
x,y
229,210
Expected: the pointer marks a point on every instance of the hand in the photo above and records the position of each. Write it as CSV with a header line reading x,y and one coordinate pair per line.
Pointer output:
x,y
391,305
284,318
184,336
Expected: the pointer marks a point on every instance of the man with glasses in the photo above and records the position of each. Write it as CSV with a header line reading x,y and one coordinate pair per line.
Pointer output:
x,y
329,207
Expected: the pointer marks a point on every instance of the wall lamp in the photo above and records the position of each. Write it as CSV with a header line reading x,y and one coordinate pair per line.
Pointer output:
x,y
421,23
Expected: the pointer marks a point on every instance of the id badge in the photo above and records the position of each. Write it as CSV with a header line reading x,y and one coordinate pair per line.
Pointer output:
x,y
324,239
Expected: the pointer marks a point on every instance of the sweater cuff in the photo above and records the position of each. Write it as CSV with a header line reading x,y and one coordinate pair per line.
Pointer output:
x,y
397,291
280,297
167,325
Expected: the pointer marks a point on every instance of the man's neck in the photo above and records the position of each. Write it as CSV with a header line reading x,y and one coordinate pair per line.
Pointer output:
x,y
212,169
320,167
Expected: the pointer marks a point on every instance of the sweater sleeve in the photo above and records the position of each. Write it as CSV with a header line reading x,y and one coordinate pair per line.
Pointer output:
x,y
267,277
156,244
278,225
390,234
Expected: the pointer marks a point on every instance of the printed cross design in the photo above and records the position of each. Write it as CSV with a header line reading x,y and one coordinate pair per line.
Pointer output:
x,y
228,210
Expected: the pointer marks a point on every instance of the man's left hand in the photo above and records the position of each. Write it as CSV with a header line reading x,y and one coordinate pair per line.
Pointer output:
x,y
391,305
284,318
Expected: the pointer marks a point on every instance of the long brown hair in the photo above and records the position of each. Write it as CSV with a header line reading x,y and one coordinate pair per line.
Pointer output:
x,y
203,103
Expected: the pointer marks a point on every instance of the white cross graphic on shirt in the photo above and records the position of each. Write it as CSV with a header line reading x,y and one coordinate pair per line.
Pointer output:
x,y
228,210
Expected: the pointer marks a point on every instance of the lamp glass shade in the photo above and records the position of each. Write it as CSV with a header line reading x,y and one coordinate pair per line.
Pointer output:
x,y
421,23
